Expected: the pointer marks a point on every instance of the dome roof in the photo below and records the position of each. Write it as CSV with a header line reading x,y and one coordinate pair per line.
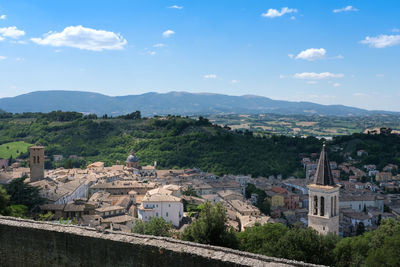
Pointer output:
x,y
132,158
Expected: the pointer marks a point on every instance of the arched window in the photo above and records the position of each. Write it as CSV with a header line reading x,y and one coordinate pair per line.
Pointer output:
x,y
322,210
37,159
315,205
34,159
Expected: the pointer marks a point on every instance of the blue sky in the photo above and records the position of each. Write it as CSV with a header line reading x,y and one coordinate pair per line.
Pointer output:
x,y
329,52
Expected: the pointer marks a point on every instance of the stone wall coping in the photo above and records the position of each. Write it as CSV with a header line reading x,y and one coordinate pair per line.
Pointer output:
x,y
207,251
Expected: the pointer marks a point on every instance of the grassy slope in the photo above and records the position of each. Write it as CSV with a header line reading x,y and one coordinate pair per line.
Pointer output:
x,y
13,149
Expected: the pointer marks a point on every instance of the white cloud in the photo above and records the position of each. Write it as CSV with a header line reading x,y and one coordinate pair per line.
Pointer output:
x,y
210,76
83,38
312,54
336,84
345,9
3,17
395,30
1,38
2,57
382,41
317,76
168,33
235,81
12,32
273,13
380,75
312,82
159,45
176,7
282,76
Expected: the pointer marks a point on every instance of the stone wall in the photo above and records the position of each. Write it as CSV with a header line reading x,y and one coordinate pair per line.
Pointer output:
x,y
31,243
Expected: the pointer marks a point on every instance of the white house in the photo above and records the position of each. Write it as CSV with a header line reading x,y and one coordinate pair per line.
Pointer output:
x,y
360,202
162,205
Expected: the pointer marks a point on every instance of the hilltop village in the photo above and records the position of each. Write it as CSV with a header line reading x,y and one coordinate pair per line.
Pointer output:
x,y
116,197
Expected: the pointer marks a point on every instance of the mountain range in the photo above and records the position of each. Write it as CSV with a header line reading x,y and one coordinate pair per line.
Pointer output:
x,y
177,103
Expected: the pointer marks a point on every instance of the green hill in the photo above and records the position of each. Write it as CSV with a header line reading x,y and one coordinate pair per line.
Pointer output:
x,y
178,142
13,149
174,142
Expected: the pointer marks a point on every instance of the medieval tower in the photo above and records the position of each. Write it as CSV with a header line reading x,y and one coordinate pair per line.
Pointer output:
x,y
323,207
36,163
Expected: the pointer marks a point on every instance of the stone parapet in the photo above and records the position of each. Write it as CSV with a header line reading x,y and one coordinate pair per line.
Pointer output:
x,y
33,243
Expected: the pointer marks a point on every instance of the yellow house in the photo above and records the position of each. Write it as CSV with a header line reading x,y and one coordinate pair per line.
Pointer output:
x,y
277,200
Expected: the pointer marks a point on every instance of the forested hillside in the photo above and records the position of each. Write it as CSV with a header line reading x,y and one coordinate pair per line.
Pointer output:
x,y
178,142
174,142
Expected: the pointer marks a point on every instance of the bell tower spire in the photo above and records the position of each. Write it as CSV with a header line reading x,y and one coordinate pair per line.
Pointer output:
x,y
323,207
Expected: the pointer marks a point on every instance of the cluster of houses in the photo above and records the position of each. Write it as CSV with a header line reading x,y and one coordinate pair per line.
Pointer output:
x,y
115,197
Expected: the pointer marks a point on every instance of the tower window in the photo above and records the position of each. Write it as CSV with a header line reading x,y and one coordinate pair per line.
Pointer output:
x,y
322,211
315,205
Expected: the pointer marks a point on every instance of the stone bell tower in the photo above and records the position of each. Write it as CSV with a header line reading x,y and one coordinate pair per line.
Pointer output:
x,y
323,207
36,162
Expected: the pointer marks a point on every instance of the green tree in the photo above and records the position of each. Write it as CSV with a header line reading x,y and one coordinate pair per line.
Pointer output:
x,y
262,239
19,211
360,228
156,226
277,240
22,193
210,227
4,199
306,244
374,248
46,217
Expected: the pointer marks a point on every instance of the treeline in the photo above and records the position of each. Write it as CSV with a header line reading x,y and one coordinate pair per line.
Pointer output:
x,y
382,149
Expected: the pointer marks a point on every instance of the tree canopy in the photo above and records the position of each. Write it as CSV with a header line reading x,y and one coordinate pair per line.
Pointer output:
x,y
22,193
210,227
156,226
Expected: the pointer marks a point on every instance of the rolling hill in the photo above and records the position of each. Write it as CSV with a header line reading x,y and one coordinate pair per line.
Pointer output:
x,y
177,103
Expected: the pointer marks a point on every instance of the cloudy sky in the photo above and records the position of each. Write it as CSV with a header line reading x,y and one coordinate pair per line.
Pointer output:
x,y
329,52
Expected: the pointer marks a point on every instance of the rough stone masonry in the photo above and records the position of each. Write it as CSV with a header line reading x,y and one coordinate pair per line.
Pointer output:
x,y
32,243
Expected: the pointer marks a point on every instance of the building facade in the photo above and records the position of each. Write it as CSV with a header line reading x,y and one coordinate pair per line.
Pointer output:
x,y
168,207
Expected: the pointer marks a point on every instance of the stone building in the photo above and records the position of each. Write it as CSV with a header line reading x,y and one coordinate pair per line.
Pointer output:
x,y
36,162
323,213
132,161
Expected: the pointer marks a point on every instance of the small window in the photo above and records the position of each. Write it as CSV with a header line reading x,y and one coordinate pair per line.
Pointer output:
x,y
169,205
166,214
157,214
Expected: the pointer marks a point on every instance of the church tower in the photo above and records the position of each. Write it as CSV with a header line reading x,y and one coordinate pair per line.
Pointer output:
x,y
36,162
323,207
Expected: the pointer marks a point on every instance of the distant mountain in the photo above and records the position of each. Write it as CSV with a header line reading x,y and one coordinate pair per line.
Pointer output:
x,y
178,103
